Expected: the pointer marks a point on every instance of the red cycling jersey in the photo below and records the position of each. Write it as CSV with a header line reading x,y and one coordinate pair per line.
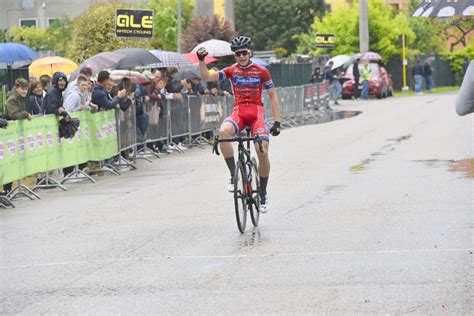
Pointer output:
x,y
247,84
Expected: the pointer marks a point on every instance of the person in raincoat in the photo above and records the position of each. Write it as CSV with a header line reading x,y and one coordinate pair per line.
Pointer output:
x,y
365,78
465,97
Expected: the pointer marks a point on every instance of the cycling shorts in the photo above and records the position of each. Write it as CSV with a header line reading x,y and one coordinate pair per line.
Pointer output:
x,y
252,116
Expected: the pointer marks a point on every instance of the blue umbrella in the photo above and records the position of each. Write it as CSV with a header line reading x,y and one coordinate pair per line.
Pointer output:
x,y
12,52
260,62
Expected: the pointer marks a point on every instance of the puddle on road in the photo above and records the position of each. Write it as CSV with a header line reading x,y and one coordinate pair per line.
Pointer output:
x,y
400,139
344,115
250,240
361,167
465,166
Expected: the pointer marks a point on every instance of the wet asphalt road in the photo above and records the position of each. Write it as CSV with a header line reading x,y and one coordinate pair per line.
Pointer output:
x,y
366,217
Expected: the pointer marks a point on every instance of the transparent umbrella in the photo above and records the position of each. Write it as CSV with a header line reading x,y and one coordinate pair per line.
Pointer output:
x,y
216,48
444,8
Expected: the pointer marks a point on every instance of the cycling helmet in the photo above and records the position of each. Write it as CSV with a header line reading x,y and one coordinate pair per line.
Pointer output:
x,y
240,42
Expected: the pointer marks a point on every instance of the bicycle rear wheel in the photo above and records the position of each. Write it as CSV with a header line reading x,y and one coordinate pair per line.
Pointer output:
x,y
240,196
255,201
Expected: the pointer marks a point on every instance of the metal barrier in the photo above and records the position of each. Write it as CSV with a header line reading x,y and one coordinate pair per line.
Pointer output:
x,y
188,119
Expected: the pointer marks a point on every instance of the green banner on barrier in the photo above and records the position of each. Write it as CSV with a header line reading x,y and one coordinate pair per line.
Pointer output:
x,y
30,147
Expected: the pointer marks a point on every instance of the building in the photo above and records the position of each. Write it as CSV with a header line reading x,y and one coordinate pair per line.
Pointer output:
x,y
223,8
41,13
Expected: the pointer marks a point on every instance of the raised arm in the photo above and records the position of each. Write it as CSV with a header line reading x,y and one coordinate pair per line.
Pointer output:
x,y
205,75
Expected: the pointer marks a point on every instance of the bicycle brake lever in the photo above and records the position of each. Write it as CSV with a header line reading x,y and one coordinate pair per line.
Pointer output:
x,y
215,147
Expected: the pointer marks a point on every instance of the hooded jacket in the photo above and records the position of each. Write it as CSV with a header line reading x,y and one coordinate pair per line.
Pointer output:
x,y
16,106
53,99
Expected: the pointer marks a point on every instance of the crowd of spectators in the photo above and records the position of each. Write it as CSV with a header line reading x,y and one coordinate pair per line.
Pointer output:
x,y
56,95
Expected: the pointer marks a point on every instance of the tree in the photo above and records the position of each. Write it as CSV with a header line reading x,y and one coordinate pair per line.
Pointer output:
x,y
166,21
274,23
36,38
60,33
385,26
56,37
94,32
456,29
427,32
203,28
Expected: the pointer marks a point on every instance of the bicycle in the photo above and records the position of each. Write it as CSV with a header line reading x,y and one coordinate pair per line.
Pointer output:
x,y
246,179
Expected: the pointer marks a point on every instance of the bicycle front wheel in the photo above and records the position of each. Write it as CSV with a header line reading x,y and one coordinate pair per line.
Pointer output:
x,y
240,196
255,204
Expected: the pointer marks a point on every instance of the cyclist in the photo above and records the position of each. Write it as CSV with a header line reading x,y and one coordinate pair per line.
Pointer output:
x,y
248,80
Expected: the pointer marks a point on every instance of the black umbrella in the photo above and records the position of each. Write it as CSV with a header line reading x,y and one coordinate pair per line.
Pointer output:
x,y
135,57
68,126
101,61
444,8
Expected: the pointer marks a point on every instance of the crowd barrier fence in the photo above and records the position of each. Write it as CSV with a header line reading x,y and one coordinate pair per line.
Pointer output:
x,y
28,148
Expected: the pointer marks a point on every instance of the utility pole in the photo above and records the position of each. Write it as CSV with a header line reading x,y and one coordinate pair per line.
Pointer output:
x,y
179,27
364,26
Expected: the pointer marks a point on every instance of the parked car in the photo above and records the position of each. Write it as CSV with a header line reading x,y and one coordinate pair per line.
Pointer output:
x,y
380,83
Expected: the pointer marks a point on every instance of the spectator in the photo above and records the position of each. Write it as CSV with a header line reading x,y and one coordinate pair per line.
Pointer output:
x,y
365,78
465,97
86,95
45,83
417,73
356,74
35,99
331,76
16,103
53,100
16,110
74,100
317,76
428,75
100,95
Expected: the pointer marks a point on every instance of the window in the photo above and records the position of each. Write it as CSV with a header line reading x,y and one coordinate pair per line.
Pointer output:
x,y
28,22
51,21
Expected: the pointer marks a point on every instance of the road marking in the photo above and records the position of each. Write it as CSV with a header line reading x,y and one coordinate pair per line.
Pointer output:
x,y
317,253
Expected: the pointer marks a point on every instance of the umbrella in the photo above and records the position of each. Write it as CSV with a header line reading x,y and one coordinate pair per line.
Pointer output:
x,y
429,60
352,60
101,61
338,61
135,57
371,56
216,48
49,65
168,59
192,57
444,8
191,72
68,127
135,76
12,52
260,62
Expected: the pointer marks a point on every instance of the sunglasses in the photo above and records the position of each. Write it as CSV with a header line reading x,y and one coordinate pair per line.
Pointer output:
x,y
241,53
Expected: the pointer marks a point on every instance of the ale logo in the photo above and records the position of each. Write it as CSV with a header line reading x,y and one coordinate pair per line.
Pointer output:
x,y
134,23
12,147
325,40
79,134
50,139
1,150
31,142
21,144
39,140
88,133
